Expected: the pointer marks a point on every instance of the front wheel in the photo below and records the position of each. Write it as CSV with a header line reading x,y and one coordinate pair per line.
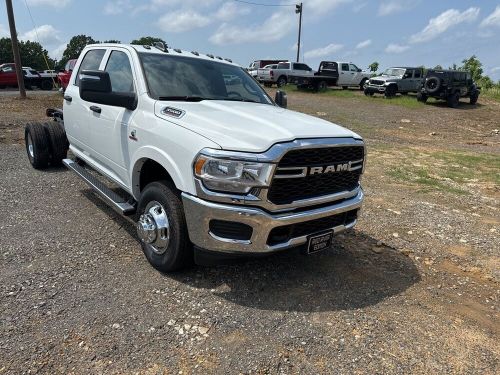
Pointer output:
x,y
390,91
363,83
161,227
368,92
474,97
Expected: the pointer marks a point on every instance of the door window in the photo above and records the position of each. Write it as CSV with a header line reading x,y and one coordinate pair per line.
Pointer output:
x,y
353,68
7,69
120,72
301,67
284,66
91,61
408,73
418,73
345,67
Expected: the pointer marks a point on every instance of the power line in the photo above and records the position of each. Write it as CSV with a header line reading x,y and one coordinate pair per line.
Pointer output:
x,y
264,5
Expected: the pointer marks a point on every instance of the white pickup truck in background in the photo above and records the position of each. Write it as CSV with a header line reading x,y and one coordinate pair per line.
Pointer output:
x,y
199,162
279,76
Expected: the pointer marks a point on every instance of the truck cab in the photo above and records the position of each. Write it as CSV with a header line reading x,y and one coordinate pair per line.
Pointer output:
x,y
203,163
351,75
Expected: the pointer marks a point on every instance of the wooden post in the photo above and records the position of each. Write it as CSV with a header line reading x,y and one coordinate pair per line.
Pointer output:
x,y
15,49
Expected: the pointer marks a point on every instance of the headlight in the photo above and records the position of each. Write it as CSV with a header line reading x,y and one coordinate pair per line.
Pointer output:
x,y
233,176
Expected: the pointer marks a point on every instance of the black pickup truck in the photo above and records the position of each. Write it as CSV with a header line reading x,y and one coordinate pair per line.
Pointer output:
x,y
327,75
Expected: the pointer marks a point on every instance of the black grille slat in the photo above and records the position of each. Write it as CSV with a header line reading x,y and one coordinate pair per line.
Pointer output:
x,y
288,190
285,233
231,230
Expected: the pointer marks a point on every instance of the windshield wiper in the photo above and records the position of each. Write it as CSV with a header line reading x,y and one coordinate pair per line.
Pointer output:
x,y
185,98
239,100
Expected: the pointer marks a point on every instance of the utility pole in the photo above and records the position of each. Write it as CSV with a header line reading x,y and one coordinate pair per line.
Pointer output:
x,y
15,49
298,9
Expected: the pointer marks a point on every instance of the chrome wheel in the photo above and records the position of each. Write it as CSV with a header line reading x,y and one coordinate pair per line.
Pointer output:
x,y
153,227
30,147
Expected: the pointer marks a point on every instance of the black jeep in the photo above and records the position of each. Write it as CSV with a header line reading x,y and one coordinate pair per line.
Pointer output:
x,y
449,85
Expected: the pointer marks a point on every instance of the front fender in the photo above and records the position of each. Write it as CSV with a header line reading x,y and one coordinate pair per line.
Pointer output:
x,y
183,179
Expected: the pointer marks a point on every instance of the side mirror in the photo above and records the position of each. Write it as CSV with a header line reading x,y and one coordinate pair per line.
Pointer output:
x,y
359,70
281,99
95,87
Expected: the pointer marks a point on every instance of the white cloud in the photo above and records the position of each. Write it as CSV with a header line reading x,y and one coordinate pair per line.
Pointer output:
x,y
395,6
3,31
395,48
443,22
493,19
182,21
57,52
228,11
321,7
45,34
364,43
357,8
274,28
117,7
323,51
49,3
495,69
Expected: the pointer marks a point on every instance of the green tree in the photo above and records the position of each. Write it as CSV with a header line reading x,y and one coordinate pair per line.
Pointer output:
x,y
147,40
438,67
373,66
75,47
474,66
112,41
32,54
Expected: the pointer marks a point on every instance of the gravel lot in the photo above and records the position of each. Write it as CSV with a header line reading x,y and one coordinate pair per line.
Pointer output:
x,y
413,289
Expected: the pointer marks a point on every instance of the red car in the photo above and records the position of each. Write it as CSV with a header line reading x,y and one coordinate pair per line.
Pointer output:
x,y
8,75
64,76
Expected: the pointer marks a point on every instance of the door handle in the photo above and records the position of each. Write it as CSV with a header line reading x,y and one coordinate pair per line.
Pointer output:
x,y
68,98
95,109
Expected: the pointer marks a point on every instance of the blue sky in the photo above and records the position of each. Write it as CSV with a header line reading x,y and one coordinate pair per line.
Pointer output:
x,y
392,32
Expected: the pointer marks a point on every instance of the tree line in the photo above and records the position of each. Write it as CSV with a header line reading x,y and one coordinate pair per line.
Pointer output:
x,y
37,57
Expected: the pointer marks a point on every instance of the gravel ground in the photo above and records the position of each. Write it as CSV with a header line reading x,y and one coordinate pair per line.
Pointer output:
x,y
414,289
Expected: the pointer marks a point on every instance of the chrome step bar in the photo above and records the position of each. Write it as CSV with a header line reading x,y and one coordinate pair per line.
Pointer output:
x,y
114,200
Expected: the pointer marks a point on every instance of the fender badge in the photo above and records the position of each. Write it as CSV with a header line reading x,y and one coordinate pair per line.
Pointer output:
x,y
173,112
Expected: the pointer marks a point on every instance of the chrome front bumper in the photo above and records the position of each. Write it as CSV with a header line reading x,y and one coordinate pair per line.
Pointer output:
x,y
200,212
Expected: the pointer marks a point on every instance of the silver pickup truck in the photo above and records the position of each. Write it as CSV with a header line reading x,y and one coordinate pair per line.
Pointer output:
x,y
279,76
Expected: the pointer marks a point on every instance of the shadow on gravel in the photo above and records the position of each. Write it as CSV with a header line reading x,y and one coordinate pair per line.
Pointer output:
x,y
463,105
354,273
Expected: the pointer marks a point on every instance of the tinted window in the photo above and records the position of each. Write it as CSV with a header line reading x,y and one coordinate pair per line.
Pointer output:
x,y
408,73
7,69
120,72
301,67
284,66
173,78
418,73
329,66
91,61
345,67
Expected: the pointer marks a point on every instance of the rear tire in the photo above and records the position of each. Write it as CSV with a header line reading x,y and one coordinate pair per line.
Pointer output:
x,y
453,100
422,97
474,97
37,145
58,142
322,86
281,81
46,85
344,87
176,252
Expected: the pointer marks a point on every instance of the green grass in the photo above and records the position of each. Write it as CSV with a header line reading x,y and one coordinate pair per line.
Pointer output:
x,y
493,93
449,171
407,101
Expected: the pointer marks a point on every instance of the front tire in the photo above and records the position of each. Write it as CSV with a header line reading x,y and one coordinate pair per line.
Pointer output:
x,y
368,92
474,97
422,97
363,83
162,229
281,81
37,145
390,91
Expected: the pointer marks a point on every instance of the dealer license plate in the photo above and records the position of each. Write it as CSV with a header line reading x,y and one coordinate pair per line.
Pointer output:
x,y
319,242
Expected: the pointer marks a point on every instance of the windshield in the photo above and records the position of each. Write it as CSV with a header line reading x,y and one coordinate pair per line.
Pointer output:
x,y
394,72
194,79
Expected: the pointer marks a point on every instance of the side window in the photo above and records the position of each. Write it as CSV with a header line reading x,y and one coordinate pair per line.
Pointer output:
x,y
418,73
345,67
353,67
408,73
120,72
91,61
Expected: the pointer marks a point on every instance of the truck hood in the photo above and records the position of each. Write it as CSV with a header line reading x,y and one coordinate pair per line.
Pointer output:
x,y
387,78
246,126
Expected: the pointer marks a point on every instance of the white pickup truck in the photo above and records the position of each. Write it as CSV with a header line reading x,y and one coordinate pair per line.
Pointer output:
x,y
280,74
201,166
